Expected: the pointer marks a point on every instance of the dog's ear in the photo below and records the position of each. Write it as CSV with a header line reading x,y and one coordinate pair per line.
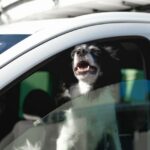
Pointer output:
x,y
96,49
113,52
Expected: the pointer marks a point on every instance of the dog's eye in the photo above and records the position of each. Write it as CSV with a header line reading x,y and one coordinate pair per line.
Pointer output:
x,y
75,51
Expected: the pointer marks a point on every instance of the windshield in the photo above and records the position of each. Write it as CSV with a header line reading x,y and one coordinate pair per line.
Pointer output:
x,y
9,40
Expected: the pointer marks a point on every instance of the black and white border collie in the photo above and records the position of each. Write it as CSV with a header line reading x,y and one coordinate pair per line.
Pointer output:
x,y
77,133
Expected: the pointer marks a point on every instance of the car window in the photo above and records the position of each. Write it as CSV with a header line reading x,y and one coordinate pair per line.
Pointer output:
x,y
9,40
115,110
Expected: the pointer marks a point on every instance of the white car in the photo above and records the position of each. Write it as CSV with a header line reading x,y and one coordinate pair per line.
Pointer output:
x,y
35,59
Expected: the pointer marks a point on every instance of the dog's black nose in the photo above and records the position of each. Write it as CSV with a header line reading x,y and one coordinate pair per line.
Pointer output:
x,y
81,52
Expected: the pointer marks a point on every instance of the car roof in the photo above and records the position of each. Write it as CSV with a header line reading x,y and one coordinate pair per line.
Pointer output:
x,y
30,27
57,27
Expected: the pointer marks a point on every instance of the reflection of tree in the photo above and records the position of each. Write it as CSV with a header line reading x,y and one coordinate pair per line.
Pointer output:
x,y
4,9
19,2
12,5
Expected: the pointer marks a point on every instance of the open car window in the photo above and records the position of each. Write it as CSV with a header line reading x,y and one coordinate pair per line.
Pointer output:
x,y
119,106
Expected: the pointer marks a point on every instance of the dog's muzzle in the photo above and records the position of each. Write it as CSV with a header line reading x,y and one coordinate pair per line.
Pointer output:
x,y
84,67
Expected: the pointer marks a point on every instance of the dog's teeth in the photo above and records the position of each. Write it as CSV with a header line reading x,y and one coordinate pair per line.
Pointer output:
x,y
80,69
83,69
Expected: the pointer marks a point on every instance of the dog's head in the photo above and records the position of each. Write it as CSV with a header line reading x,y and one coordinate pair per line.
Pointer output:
x,y
86,67
91,61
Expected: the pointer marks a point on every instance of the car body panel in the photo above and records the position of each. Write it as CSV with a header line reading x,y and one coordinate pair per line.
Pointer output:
x,y
37,55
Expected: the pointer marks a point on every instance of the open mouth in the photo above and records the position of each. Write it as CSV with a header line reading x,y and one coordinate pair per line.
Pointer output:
x,y
84,67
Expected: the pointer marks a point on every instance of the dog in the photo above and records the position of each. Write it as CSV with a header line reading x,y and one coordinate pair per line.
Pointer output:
x,y
90,123
81,130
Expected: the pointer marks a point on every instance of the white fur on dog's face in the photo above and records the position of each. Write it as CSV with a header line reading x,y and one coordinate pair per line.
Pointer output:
x,y
85,67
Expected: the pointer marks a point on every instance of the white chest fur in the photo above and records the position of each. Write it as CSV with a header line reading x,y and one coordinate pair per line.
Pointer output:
x,y
80,89
84,87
